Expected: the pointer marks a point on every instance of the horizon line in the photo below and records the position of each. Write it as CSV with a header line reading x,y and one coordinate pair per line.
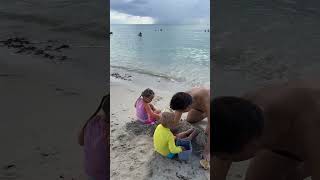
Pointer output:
x,y
154,24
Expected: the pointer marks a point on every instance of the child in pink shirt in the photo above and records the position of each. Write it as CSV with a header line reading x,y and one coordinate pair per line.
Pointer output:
x,y
145,111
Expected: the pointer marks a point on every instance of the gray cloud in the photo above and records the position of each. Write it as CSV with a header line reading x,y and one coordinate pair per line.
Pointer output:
x,y
165,11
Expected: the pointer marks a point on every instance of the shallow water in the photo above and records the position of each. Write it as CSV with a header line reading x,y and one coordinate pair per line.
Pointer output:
x,y
178,52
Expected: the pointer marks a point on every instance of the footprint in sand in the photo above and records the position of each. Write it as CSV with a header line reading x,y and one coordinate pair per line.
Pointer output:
x,y
66,92
63,58
39,52
64,46
10,166
71,93
5,75
121,137
157,98
9,172
115,173
180,176
9,175
131,168
47,155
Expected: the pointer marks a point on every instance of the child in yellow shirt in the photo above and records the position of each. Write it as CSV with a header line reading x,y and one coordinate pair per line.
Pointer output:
x,y
163,138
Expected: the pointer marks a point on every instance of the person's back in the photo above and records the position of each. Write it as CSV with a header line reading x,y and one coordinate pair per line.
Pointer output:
x,y
291,127
287,109
287,102
140,111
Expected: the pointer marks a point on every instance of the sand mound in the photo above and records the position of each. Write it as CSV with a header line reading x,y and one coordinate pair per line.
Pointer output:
x,y
137,128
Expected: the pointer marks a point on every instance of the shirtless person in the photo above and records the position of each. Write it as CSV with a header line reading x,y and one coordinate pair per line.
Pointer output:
x,y
197,103
277,126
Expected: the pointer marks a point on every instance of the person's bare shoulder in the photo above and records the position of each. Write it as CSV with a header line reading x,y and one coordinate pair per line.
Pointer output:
x,y
201,94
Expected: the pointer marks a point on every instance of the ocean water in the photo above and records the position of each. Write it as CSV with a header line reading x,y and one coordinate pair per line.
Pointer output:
x,y
178,53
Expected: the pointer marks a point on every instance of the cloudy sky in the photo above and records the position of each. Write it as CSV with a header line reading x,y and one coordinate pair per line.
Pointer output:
x,y
160,11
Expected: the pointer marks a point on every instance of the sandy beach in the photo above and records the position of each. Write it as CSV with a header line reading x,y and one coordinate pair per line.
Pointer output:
x,y
132,153
46,95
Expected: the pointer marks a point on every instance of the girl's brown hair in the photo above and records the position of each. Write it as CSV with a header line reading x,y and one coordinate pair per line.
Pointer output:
x,y
146,93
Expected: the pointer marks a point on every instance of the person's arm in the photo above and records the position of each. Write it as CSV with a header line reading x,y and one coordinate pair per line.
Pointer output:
x,y
150,112
177,116
153,107
172,145
208,116
220,168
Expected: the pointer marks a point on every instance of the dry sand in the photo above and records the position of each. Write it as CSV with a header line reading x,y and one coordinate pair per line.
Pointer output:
x,y
132,152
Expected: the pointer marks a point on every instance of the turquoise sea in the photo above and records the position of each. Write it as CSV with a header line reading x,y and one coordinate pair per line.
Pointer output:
x,y
176,52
